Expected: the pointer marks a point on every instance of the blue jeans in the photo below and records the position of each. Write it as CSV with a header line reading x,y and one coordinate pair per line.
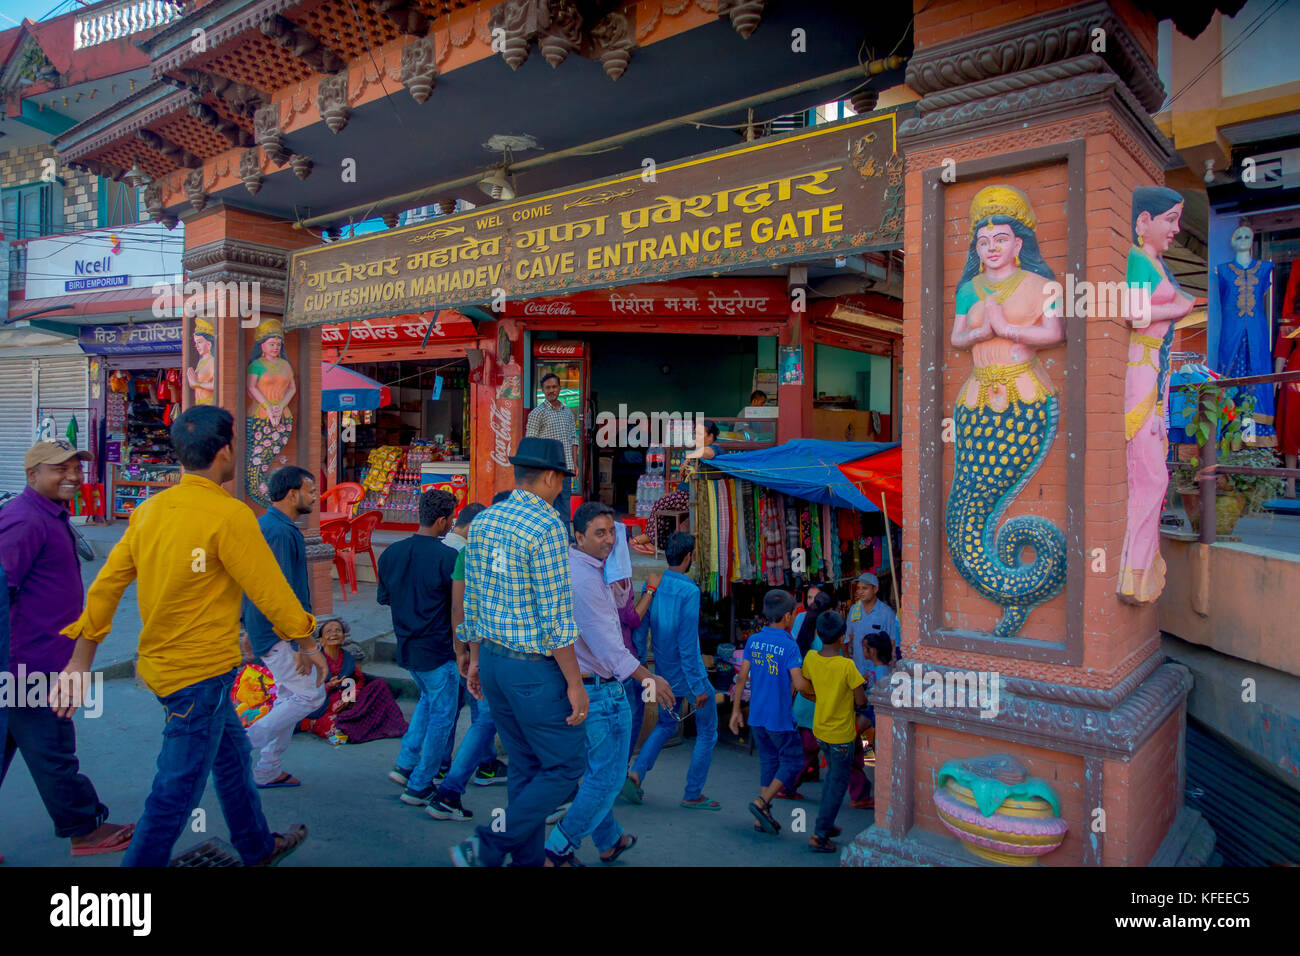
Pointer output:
x,y
530,703
201,735
562,503
607,726
706,735
475,750
636,707
425,742
839,761
780,756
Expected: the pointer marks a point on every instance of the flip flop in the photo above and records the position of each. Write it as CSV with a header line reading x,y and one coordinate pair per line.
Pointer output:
x,y
114,841
822,845
764,817
644,548
795,795
285,779
621,848
631,792
291,841
704,803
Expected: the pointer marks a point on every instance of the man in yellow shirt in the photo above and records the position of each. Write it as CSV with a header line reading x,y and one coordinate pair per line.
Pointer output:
x,y
195,550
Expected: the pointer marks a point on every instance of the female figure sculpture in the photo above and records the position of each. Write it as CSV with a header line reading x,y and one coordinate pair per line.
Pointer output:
x,y
1006,412
202,378
1156,214
270,422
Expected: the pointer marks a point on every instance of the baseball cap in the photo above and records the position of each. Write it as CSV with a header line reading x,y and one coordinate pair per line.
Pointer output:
x,y
53,452
868,578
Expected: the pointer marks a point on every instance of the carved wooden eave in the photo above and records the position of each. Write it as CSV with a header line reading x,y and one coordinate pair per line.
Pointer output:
x,y
239,98
405,14
302,45
166,148
174,46
233,133
1033,70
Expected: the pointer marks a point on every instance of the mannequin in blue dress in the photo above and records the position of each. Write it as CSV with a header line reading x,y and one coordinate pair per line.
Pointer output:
x,y
1243,286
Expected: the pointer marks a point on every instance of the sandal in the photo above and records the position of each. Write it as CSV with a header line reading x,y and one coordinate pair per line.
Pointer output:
x,y
704,803
620,848
285,843
285,779
790,795
115,838
821,844
566,859
631,792
644,548
763,814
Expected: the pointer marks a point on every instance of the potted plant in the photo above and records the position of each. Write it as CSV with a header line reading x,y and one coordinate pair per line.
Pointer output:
x,y
1215,412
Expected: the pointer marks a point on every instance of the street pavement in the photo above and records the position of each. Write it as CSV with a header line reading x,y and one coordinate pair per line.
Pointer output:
x,y
354,817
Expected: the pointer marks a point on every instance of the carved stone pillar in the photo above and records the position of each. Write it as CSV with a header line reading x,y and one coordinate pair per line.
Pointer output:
x,y
1078,721
235,264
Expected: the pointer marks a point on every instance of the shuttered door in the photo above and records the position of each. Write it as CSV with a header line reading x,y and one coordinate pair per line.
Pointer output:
x,y
63,392
17,420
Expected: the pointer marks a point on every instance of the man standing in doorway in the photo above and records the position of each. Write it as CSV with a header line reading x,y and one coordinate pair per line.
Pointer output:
x,y
415,583
674,623
193,549
40,561
519,622
553,419
605,664
292,491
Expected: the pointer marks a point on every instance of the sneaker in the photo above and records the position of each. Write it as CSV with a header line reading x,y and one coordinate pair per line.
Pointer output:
x,y
399,775
558,813
448,808
466,853
490,774
419,798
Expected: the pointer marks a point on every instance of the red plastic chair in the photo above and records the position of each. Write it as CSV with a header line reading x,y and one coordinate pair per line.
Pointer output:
x,y
363,526
342,497
335,534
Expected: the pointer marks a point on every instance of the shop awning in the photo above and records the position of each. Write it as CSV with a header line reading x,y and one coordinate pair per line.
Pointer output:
x,y
813,469
880,479
343,390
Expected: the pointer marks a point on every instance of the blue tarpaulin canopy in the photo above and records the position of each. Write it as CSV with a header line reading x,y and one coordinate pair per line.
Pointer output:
x,y
805,468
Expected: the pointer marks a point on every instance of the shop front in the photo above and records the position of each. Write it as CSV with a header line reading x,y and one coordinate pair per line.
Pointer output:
x,y
421,437
136,378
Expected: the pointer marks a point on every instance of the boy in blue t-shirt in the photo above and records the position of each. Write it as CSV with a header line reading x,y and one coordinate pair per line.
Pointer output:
x,y
773,667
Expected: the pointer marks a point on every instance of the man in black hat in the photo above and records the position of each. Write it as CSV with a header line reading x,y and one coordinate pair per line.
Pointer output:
x,y
520,628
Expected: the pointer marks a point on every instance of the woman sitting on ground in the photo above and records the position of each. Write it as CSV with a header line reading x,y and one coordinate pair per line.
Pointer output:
x,y
358,708
659,526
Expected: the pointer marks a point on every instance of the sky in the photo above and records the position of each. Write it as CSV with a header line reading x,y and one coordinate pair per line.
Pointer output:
x,y
13,11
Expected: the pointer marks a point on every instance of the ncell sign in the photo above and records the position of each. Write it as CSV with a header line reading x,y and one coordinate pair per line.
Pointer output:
x,y
833,190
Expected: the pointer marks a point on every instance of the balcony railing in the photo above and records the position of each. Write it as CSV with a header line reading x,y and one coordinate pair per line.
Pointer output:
x,y
115,21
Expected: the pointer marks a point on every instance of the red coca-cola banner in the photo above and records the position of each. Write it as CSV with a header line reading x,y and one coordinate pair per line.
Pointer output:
x,y
559,349
697,298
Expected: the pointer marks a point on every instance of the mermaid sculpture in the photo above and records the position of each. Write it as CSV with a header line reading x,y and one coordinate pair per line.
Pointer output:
x,y
270,422
1006,412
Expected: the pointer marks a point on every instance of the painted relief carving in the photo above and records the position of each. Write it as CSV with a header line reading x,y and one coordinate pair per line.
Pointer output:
x,y
202,377
266,127
332,101
1005,416
250,169
269,424
1156,215
419,69
194,190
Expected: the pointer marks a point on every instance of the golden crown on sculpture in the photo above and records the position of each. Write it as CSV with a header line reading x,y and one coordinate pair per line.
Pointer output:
x,y
1001,201
268,329
204,327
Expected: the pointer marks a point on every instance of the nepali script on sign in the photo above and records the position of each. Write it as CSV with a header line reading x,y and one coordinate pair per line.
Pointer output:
x,y
837,189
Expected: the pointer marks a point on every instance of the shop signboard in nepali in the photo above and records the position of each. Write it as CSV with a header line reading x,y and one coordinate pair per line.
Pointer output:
x,y
832,190
130,339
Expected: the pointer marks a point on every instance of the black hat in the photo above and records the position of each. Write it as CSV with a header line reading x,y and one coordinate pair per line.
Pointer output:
x,y
545,453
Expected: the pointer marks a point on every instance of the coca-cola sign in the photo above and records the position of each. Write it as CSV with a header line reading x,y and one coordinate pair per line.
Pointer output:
x,y
558,349
537,307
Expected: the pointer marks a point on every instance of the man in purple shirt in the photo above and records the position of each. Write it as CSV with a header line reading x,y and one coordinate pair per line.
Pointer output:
x,y
605,663
45,595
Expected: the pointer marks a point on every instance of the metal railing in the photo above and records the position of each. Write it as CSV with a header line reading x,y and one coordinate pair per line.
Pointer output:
x,y
1209,470
118,20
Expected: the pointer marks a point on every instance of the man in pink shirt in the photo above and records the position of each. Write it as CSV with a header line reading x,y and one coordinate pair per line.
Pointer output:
x,y
605,663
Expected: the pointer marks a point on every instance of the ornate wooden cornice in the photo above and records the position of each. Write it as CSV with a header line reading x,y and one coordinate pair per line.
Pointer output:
x,y
965,67
237,260
242,99
162,146
302,45
174,47
121,121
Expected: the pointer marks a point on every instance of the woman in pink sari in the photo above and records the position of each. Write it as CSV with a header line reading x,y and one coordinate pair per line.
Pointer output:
x,y
1155,304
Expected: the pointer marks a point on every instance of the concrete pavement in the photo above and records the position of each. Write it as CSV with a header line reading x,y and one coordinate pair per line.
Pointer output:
x,y
354,816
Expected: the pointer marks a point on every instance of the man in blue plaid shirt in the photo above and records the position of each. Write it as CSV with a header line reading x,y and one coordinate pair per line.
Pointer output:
x,y
520,629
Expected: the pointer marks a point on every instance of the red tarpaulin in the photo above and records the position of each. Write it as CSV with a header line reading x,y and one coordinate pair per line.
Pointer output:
x,y
880,479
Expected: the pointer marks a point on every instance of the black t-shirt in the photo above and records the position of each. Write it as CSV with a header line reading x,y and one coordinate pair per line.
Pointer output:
x,y
415,583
